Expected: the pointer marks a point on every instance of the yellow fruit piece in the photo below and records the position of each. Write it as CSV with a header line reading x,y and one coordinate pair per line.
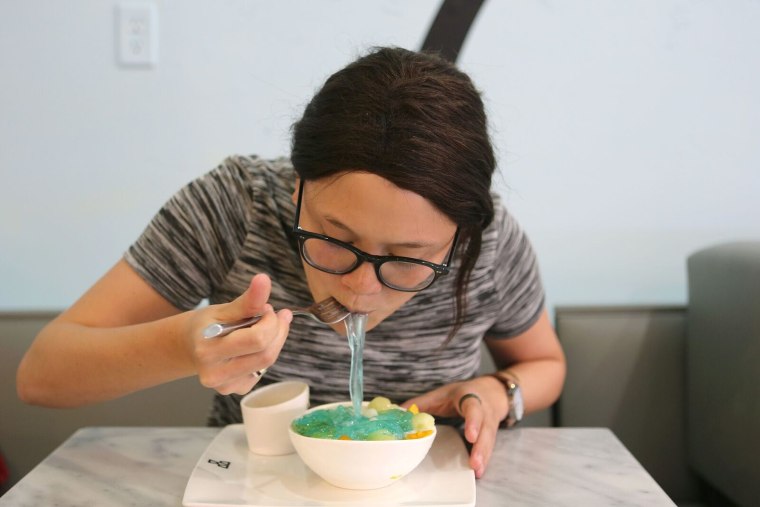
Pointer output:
x,y
380,403
344,437
414,409
423,421
418,434
381,435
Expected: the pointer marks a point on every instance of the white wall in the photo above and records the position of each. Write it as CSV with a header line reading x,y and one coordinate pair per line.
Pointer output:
x,y
629,134
627,131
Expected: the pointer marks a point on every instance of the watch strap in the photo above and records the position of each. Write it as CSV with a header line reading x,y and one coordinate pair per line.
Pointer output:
x,y
510,386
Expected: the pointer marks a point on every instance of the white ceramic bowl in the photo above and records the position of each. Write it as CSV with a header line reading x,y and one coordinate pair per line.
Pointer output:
x,y
360,464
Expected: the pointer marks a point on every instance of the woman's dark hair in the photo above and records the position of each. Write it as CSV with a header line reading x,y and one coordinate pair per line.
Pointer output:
x,y
416,120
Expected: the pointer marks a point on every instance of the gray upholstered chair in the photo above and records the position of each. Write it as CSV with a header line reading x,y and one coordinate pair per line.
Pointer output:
x,y
723,369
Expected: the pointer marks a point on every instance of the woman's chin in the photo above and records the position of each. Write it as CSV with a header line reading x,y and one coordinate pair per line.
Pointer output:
x,y
339,328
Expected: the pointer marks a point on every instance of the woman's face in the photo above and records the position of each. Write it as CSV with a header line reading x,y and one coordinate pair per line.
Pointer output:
x,y
376,216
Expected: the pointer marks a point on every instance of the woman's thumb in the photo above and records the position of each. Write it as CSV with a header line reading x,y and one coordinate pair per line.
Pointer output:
x,y
250,302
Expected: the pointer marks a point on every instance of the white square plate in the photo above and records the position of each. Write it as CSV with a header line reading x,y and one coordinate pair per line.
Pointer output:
x,y
229,474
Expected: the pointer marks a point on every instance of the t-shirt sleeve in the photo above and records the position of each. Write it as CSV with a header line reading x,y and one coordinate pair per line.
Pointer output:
x,y
194,239
516,279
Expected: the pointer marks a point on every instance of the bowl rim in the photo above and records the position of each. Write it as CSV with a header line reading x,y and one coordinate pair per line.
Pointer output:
x,y
334,404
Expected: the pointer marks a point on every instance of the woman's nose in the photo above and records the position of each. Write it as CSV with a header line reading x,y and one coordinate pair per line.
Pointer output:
x,y
363,280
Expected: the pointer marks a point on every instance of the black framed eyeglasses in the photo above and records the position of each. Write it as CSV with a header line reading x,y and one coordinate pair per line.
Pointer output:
x,y
333,256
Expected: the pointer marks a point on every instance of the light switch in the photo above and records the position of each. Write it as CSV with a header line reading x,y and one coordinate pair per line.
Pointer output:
x,y
137,34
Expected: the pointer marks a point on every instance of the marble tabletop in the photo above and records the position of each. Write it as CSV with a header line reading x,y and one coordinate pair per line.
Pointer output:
x,y
114,466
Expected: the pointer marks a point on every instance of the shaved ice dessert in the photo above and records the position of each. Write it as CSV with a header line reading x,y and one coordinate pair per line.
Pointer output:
x,y
379,420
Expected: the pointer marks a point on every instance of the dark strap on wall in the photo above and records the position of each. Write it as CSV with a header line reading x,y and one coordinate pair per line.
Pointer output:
x,y
450,27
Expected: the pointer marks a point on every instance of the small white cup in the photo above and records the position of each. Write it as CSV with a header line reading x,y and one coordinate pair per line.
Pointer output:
x,y
268,412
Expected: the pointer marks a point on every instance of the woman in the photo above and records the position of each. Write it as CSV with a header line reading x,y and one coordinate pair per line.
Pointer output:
x,y
385,205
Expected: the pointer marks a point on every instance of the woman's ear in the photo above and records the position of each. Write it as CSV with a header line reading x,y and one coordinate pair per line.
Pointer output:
x,y
294,197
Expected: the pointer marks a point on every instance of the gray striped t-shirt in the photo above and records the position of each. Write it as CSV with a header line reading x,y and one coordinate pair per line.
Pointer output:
x,y
218,231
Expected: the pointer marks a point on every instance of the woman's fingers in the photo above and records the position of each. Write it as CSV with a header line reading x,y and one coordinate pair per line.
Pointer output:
x,y
240,385
480,427
247,340
477,401
226,363
248,304
482,448
470,406
436,402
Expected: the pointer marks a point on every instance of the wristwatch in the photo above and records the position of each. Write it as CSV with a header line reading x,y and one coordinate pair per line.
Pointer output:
x,y
514,395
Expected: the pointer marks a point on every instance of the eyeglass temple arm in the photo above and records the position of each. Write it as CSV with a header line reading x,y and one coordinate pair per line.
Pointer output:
x,y
453,248
298,204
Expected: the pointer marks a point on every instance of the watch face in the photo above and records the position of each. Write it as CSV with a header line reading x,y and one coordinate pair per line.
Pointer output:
x,y
517,404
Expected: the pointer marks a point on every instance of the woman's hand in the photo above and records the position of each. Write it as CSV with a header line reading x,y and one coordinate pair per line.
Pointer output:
x,y
228,364
534,356
482,413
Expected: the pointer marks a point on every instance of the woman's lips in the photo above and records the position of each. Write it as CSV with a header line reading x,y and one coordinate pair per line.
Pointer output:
x,y
354,309
357,310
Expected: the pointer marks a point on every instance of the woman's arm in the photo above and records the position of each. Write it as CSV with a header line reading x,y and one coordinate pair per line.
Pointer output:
x,y
122,336
535,359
